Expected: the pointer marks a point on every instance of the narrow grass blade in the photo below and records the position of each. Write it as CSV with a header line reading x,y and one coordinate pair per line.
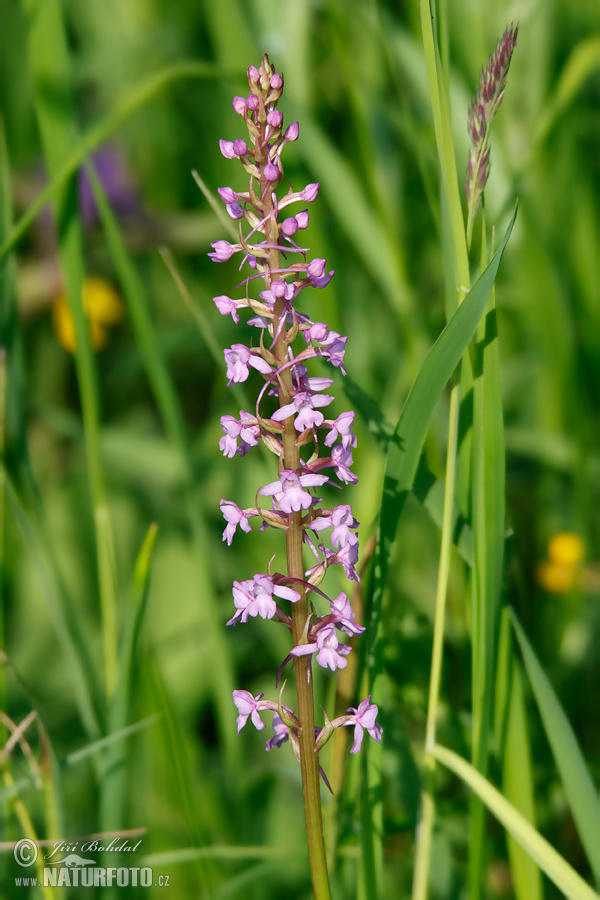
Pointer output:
x,y
579,787
77,151
216,206
109,740
10,333
141,320
405,446
49,763
517,779
346,197
513,747
114,792
402,462
180,773
580,65
428,489
49,64
488,514
65,621
552,863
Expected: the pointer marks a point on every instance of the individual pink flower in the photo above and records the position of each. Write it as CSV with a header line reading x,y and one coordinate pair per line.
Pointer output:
x,y
234,516
222,251
304,404
342,460
288,491
282,733
238,358
248,706
341,608
329,652
342,427
364,718
245,429
254,597
228,307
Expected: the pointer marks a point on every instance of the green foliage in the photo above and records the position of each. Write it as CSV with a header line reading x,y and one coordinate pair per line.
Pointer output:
x,y
114,581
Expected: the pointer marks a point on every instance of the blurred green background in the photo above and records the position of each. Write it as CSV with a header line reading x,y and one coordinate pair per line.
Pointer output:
x,y
355,80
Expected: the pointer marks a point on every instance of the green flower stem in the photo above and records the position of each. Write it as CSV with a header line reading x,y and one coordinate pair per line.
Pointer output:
x,y
309,760
443,135
423,844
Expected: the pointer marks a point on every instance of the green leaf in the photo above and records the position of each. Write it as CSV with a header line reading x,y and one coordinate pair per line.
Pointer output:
x,y
404,450
428,489
549,861
406,444
49,64
488,512
518,787
577,69
77,150
64,615
141,320
579,787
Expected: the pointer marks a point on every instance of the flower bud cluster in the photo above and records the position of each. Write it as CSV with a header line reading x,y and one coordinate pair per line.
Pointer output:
x,y
307,443
482,110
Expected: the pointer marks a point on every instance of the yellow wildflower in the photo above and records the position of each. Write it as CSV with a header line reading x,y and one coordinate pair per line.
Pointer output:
x,y
566,548
561,571
102,306
557,578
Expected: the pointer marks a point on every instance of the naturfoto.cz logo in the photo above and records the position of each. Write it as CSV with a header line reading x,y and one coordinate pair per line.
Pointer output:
x,y
64,867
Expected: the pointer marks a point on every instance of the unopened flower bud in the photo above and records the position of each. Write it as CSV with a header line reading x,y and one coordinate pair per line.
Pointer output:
x,y
289,226
274,118
227,194
235,210
227,149
239,105
271,172
310,192
316,268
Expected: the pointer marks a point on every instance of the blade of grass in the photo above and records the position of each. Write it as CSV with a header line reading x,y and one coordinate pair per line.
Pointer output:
x,y
346,198
66,622
452,210
579,787
28,829
428,489
512,746
49,64
582,62
182,776
488,534
215,349
404,450
113,796
49,766
143,327
78,150
517,781
538,848
109,740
